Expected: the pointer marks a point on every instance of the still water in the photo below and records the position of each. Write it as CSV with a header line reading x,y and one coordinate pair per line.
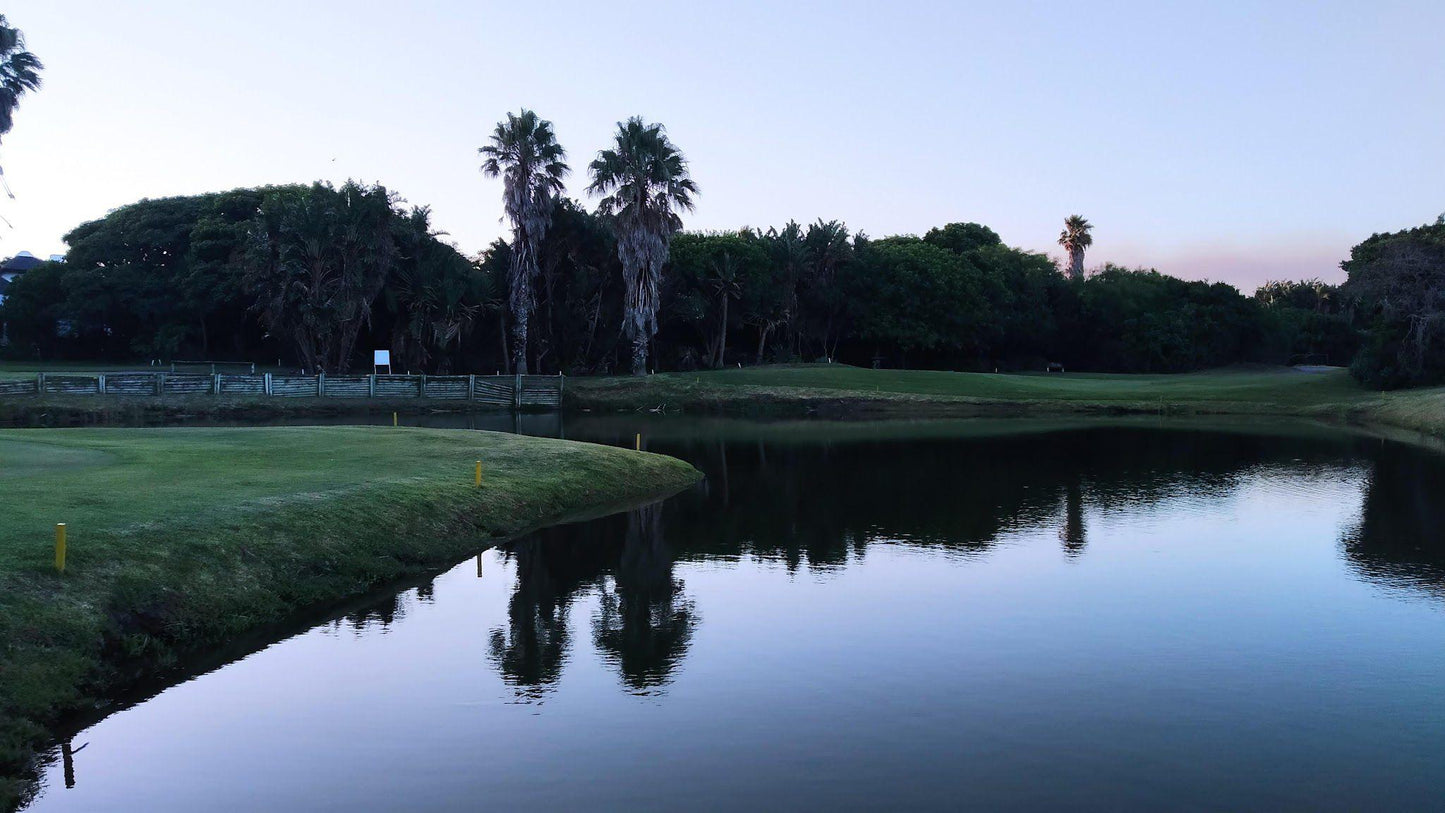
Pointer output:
x,y
971,614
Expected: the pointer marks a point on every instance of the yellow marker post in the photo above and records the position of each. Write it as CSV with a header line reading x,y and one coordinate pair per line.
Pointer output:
x,y
393,419
639,442
479,472
60,547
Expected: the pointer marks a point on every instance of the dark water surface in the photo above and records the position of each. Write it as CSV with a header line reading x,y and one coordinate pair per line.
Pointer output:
x,y
971,614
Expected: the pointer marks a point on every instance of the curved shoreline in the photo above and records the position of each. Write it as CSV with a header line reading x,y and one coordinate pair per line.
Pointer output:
x,y
145,593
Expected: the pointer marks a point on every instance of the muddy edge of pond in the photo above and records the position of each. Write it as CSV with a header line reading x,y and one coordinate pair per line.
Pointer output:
x,y
135,649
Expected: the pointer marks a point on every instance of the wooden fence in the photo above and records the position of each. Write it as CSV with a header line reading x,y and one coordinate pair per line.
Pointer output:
x,y
503,391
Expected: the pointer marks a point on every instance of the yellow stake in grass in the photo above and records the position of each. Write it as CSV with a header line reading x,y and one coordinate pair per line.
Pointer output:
x,y
60,547
393,419
479,472
639,442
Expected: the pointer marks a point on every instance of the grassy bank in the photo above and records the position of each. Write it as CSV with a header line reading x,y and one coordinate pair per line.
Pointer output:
x,y
182,538
141,410
840,391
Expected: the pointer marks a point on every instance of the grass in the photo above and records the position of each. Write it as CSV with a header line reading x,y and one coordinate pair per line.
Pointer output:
x,y
184,538
1329,393
20,369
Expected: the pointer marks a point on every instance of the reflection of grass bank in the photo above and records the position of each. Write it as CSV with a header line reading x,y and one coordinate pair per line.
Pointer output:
x,y
836,390
183,538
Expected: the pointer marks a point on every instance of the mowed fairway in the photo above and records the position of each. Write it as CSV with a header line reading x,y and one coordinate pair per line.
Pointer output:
x,y
1278,387
1275,385
181,537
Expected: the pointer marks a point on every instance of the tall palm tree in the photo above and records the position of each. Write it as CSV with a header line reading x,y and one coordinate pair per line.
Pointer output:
x,y
1076,238
725,284
19,73
645,182
525,152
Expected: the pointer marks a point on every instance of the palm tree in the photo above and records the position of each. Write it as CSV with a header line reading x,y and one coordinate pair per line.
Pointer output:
x,y
645,182
19,73
725,285
1076,238
524,150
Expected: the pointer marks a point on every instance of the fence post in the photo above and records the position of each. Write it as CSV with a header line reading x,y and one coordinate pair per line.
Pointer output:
x,y
471,387
320,383
371,386
421,386
215,382
267,382
100,383
40,383
517,392
160,383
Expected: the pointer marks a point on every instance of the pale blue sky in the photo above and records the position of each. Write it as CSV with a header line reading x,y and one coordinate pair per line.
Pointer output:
x,y
1233,141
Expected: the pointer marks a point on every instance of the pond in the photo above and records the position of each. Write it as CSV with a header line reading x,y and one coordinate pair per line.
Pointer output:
x,y
938,615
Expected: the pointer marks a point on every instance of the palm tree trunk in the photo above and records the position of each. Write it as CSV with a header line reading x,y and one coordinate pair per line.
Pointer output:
x,y
519,342
639,353
502,339
722,335
1076,264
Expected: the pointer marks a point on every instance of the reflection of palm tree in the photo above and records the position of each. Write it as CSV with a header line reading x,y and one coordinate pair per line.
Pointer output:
x,y
530,653
1072,534
645,624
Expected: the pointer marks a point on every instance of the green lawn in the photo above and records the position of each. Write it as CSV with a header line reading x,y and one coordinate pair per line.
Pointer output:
x,y
853,391
1286,385
184,537
11,368
1279,386
28,369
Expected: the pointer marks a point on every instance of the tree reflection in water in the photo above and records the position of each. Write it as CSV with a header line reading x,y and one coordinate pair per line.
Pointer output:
x,y
820,504
1399,540
644,623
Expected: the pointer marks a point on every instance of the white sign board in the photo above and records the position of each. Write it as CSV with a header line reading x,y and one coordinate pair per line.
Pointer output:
x,y
381,358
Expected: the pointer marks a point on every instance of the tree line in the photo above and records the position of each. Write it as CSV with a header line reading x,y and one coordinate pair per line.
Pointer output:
x,y
317,276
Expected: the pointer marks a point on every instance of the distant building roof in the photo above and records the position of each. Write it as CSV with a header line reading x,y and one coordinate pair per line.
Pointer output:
x,y
24,261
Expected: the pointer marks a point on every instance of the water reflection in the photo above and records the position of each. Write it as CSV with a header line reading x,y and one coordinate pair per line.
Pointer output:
x,y
1399,540
809,505
818,506
643,621
912,617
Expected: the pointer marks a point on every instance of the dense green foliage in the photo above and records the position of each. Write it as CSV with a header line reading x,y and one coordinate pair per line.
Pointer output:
x,y
1399,281
308,274
318,276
